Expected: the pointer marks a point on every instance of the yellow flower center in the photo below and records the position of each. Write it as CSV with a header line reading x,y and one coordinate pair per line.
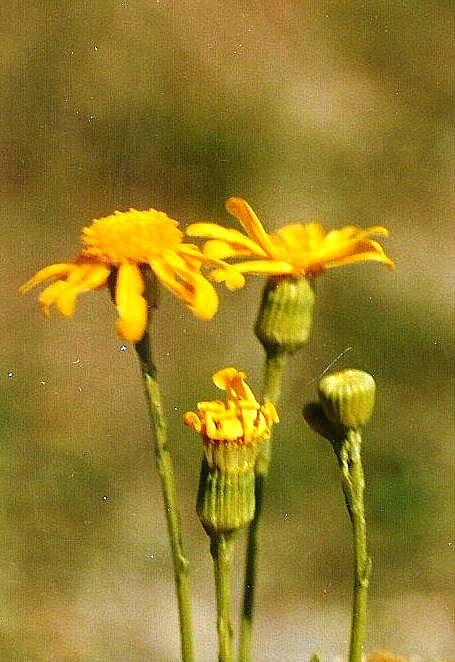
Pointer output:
x,y
131,237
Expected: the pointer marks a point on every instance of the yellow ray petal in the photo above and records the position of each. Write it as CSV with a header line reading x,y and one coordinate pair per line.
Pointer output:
x,y
362,257
265,267
204,301
234,279
131,305
60,270
233,381
245,214
85,277
49,295
227,236
222,250
353,233
194,290
337,253
301,238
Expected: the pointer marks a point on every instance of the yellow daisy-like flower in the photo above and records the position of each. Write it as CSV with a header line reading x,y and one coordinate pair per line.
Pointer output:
x,y
232,430
300,250
121,244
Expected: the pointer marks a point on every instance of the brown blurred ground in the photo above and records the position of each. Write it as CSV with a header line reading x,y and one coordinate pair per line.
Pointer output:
x,y
337,111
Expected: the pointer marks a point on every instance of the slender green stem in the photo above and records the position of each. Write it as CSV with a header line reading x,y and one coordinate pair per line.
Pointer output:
x,y
222,549
166,473
353,487
273,375
274,367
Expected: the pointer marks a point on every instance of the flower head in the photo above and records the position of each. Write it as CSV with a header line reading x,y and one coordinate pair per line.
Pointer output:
x,y
232,430
300,250
120,245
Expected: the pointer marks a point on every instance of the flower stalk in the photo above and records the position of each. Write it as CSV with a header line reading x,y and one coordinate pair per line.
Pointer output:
x,y
347,401
233,435
274,367
222,550
283,326
353,484
166,473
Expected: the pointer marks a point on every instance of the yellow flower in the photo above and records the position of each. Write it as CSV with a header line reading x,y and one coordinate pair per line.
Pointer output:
x,y
120,245
232,430
300,250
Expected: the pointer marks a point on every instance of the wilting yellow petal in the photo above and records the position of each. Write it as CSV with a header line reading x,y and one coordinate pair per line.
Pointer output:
x,y
192,420
194,290
223,378
240,420
233,278
225,428
49,295
233,382
83,278
52,271
131,305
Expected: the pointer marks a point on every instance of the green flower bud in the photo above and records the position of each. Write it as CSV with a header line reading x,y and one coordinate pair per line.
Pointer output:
x,y
286,314
347,397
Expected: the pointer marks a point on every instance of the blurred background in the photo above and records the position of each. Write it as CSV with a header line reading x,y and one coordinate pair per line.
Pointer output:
x,y
336,111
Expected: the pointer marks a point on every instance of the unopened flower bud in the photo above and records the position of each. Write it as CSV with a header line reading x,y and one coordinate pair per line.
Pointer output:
x,y
348,397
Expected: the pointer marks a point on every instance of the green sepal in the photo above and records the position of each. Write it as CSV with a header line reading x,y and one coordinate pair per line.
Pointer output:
x,y
225,501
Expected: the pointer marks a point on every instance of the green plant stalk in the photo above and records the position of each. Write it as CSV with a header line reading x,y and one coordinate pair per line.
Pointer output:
x,y
166,473
222,549
274,367
353,487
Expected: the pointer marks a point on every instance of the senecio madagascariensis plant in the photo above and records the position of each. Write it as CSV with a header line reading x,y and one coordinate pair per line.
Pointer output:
x,y
296,249
119,246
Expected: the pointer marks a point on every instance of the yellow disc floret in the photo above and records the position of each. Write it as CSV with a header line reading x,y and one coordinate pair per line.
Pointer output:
x,y
132,236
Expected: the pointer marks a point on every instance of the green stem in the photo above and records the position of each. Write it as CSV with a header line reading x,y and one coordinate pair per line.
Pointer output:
x,y
353,487
166,473
221,549
273,377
